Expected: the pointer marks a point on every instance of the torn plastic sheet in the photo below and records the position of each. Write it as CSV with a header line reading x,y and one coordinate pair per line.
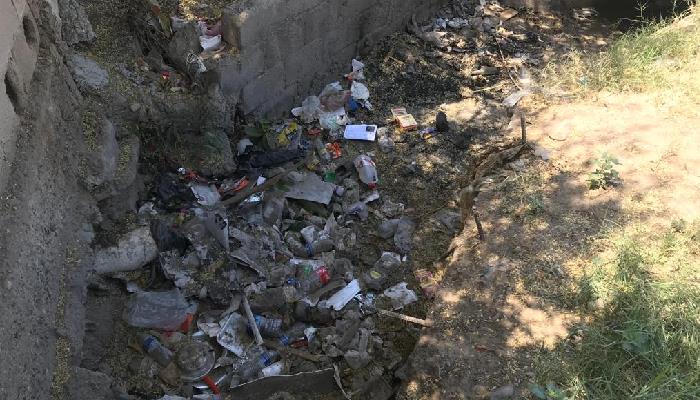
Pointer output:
x,y
312,299
157,310
312,188
178,269
333,120
341,298
309,110
217,224
317,382
514,98
359,91
358,71
233,336
210,43
206,195
400,295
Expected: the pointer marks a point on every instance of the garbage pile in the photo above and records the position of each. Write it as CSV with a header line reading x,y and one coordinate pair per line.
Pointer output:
x,y
255,283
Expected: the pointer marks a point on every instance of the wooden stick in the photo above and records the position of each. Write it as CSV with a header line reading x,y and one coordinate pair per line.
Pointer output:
x,y
523,128
251,321
245,193
422,322
479,228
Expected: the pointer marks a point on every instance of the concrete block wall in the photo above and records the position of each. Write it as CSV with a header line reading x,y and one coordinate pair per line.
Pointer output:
x,y
289,49
19,41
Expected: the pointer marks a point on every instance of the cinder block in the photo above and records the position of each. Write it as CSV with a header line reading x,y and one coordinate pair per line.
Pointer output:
x,y
292,49
263,88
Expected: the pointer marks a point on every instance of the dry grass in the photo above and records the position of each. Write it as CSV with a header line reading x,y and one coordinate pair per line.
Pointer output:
x,y
661,57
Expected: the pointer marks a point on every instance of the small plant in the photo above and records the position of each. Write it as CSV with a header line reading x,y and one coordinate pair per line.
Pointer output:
x,y
605,175
549,392
535,204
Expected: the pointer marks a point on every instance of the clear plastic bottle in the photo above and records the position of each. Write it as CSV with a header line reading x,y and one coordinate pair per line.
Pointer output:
x,y
151,346
258,359
367,170
270,327
321,150
311,279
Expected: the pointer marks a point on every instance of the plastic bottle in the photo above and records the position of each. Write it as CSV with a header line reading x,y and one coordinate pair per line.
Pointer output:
x,y
311,249
161,354
367,170
258,359
323,154
271,327
311,279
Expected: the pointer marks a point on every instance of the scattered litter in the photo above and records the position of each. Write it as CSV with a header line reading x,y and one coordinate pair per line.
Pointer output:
x,y
341,298
359,91
206,195
361,132
233,336
367,170
210,43
405,120
312,188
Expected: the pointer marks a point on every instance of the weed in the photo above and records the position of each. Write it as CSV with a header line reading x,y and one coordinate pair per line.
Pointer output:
x,y
535,204
645,344
605,175
548,392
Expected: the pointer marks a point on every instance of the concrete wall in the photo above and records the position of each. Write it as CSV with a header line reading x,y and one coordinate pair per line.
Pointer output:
x,y
19,43
289,49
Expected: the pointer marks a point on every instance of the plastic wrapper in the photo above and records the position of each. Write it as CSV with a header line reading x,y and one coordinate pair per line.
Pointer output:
x,y
157,310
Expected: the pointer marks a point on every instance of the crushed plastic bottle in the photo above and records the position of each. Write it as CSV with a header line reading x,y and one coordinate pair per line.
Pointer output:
x,y
320,147
310,249
258,359
271,327
367,170
311,278
151,346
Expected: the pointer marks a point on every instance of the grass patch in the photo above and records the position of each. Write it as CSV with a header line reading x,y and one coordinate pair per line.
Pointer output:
x,y
645,341
660,56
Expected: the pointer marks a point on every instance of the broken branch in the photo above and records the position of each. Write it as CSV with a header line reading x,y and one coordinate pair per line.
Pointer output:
x,y
403,317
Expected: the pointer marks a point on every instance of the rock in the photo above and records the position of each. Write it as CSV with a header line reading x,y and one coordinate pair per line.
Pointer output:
x,y
104,154
387,229
356,359
441,123
480,392
542,153
128,162
86,384
124,201
503,392
88,75
155,60
403,238
208,153
451,220
183,43
134,250
76,27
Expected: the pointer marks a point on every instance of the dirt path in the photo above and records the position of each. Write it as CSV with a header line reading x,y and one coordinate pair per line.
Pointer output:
x,y
508,300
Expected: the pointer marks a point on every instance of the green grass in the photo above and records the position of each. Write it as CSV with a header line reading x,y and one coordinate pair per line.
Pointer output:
x,y
645,341
660,56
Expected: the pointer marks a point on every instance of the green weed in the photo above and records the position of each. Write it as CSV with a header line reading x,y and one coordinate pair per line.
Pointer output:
x,y
605,175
